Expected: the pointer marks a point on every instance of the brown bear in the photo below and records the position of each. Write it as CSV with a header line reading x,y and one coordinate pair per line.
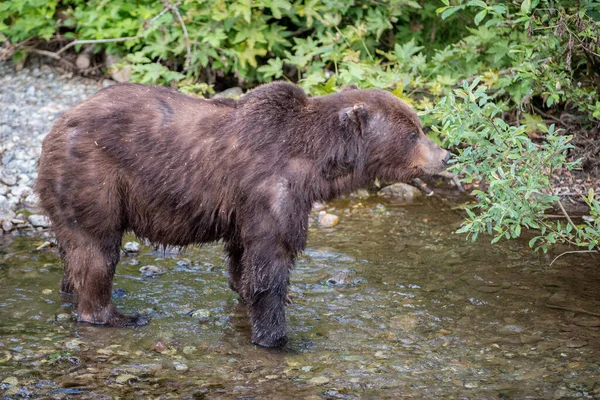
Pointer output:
x,y
178,170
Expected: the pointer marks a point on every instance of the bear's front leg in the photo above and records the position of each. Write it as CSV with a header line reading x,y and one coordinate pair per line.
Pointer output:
x,y
265,281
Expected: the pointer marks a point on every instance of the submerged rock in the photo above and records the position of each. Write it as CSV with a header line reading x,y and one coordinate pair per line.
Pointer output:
x,y
328,220
400,191
180,366
319,380
318,206
131,247
151,270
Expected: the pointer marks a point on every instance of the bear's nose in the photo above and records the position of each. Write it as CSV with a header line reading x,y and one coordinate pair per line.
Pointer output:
x,y
447,158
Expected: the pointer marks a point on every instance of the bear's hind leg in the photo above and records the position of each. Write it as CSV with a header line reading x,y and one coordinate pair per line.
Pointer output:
x,y
90,270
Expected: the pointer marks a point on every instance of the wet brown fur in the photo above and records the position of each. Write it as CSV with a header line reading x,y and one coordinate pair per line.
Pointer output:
x,y
178,170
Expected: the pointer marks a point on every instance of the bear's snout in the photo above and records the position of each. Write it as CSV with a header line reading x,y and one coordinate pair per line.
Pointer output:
x,y
431,158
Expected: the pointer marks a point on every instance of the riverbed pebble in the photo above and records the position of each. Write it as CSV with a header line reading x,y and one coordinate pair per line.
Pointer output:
x,y
400,191
180,366
131,247
328,220
39,220
151,270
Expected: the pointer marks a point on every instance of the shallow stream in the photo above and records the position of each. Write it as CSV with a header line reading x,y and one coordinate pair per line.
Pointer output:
x,y
389,303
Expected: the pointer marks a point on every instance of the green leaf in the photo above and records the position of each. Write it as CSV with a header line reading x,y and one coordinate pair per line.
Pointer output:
x,y
480,16
448,11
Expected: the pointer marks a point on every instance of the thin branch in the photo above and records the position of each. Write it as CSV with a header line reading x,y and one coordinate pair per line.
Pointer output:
x,y
549,116
572,252
46,53
76,42
562,208
188,56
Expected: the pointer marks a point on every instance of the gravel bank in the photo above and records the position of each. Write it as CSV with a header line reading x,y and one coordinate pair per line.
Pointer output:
x,y
30,101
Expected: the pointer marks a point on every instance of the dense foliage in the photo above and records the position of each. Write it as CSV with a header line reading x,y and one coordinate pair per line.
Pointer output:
x,y
487,74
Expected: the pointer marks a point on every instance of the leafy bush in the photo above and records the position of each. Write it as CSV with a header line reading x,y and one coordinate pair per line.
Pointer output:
x,y
515,173
496,70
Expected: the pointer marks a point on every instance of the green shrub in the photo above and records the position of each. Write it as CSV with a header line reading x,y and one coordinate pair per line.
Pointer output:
x,y
515,173
492,69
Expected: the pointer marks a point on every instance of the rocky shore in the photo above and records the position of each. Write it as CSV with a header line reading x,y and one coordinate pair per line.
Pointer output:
x,y
30,102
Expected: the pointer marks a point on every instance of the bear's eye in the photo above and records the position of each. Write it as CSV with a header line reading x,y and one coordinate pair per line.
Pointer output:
x,y
413,136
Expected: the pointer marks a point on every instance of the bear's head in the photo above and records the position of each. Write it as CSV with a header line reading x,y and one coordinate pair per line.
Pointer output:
x,y
395,147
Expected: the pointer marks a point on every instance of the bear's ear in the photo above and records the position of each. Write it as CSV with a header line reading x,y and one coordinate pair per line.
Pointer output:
x,y
354,117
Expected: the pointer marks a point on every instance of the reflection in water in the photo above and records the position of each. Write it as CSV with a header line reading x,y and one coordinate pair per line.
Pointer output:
x,y
388,303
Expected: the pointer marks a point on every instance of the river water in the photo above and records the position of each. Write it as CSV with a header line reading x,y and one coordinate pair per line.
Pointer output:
x,y
390,303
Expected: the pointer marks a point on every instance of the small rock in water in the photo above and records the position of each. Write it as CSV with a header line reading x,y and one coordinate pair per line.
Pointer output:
x,y
328,220
488,289
361,193
575,344
180,366
188,350
319,380
63,317
317,206
119,293
47,291
131,247
202,314
126,378
11,380
39,221
400,191
151,270
343,278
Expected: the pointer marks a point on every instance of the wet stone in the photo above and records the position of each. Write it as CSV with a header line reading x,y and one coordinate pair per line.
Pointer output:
x,y
180,366
319,380
200,314
131,247
317,206
126,378
575,344
151,271
64,317
328,220
530,339
510,329
188,350
400,191
10,381
488,289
